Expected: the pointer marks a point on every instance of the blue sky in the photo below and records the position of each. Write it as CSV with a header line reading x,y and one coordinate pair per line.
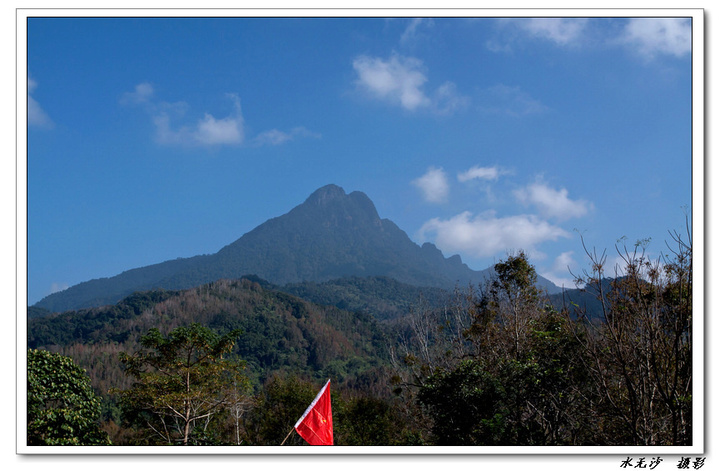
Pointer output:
x,y
151,139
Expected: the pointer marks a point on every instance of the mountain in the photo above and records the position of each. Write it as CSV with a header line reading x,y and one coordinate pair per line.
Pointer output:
x,y
331,235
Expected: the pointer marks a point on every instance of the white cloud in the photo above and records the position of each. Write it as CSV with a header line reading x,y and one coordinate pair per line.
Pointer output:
x,y
615,265
276,137
561,273
558,30
486,235
400,80
479,173
649,37
434,185
142,94
229,130
561,31
653,36
164,134
36,116
552,203
617,261
272,137
564,262
211,131
447,99
412,33
497,46
206,131
511,101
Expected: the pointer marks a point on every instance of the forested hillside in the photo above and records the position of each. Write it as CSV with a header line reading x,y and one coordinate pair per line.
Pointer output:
x,y
381,297
280,332
493,364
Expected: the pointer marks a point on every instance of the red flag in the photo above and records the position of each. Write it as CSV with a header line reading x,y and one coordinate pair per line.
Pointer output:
x,y
315,425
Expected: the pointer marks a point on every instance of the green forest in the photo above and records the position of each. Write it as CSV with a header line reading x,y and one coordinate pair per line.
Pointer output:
x,y
236,362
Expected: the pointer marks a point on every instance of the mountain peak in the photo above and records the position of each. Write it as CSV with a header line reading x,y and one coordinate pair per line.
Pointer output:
x,y
335,205
326,194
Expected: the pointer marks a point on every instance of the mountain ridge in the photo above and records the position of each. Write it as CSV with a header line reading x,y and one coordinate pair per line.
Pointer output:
x,y
330,235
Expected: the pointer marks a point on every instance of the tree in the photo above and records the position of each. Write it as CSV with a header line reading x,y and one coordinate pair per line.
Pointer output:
x,y
466,404
366,420
640,354
62,408
514,299
182,382
502,368
277,407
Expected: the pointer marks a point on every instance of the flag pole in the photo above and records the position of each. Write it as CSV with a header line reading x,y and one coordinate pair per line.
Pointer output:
x,y
288,436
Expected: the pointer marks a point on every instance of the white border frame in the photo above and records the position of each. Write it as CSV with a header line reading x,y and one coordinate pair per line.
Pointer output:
x,y
698,228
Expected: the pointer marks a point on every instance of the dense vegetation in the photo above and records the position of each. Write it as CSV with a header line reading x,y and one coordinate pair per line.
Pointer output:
x,y
498,363
62,408
506,368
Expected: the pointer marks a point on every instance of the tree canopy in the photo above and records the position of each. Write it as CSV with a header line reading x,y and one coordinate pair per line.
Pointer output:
x,y
182,382
62,408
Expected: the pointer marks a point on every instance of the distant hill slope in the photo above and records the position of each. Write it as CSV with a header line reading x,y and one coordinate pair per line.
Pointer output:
x,y
331,235
281,332
584,302
381,297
